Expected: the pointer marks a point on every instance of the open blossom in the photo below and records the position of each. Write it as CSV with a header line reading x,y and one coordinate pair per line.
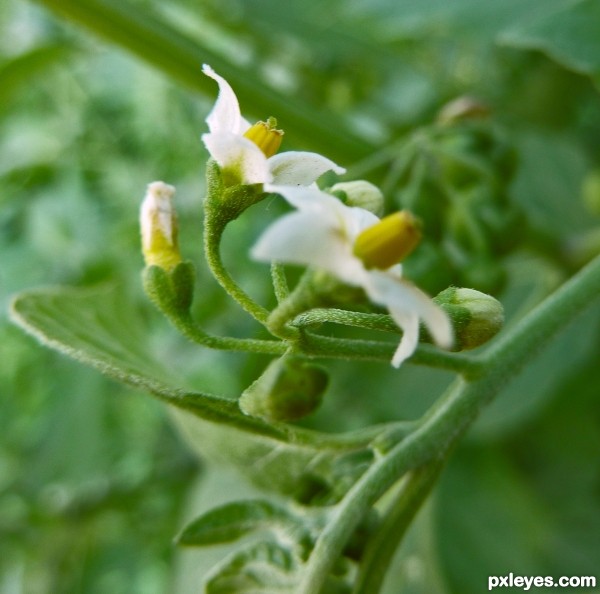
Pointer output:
x,y
361,250
246,153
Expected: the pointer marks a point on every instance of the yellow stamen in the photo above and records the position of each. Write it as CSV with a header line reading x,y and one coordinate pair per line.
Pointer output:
x,y
389,241
266,136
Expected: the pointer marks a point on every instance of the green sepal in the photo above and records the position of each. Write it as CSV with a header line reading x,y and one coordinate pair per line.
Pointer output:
x,y
171,291
290,388
225,202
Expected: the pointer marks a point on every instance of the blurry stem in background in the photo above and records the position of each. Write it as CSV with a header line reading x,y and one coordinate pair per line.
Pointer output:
x,y
444,424
394,523
181,58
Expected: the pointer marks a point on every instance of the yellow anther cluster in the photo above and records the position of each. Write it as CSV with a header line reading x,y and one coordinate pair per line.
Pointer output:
x,y
389,241
266,136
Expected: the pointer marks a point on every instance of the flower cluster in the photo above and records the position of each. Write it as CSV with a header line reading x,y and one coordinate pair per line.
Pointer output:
x,y
325,232
361,250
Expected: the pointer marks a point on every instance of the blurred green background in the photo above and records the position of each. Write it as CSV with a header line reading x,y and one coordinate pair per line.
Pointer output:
x,y
94,478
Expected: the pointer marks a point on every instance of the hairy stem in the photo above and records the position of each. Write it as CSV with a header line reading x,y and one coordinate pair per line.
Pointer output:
x,y
212,250
447,421
280,284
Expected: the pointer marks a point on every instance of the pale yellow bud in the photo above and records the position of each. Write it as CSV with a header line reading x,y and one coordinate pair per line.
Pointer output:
x,y
158,223
389,241
266,136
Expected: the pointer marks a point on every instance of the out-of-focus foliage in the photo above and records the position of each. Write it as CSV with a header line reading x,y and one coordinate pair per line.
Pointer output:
x,y
94,479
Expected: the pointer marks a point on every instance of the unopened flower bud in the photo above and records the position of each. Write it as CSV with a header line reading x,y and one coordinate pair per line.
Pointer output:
x,y
476,317
389,241
462,108
158,223
361,193
266,136
290,388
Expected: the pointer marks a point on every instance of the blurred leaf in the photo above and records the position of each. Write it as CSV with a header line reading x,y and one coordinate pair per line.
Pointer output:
x,y
234,520
311,475
528,505
568,34
181,58
19,71
265,568
548,182
471,17
531,390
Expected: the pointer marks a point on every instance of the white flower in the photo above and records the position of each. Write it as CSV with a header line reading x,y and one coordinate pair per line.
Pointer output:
x,y
323,233
246,153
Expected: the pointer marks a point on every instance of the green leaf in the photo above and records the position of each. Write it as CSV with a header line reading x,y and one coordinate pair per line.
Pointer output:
x,y
568,35
263,568
97,327
234,520
311,475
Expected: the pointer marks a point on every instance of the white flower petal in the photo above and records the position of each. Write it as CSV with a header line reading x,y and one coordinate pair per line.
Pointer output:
x,y
225,115
388,289
300,238
238,154
307,198
358,219
300,168
409,322
350,220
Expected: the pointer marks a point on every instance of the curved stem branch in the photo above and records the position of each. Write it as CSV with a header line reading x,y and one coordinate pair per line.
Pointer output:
x,y
212,250
191,330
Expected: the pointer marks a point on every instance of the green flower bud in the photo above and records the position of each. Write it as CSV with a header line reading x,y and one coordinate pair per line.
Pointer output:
x,y
290,388
360,193
172,292
476,317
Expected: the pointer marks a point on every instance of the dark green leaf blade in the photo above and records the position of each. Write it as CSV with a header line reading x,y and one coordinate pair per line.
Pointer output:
x,y
235,520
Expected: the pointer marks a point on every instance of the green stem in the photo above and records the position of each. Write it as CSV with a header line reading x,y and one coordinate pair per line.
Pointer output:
x,y
370,350
191,330
213,233
299,300
447,421
393,526
280,284
368,321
